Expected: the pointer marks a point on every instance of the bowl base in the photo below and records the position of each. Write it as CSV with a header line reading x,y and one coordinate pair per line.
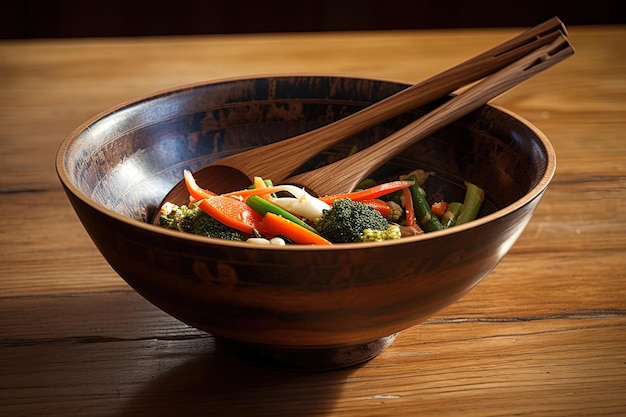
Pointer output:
x,y
307,359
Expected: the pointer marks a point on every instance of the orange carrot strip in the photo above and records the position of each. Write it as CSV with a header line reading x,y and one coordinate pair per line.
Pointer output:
x,y
194,189
253,191
275,225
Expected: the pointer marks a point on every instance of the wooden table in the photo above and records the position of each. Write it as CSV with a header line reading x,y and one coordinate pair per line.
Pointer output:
x,y
544,334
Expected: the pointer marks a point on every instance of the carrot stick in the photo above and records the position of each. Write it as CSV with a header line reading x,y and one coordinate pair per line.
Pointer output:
x,y
243,194
275,225
194,189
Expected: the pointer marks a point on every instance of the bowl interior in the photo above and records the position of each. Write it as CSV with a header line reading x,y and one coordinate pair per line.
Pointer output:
x,y
128,159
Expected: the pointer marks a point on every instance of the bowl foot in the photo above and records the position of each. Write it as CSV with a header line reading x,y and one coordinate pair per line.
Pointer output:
x,y
307,359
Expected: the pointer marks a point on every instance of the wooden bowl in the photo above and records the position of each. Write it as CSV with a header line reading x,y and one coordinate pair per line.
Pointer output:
x,y
300,307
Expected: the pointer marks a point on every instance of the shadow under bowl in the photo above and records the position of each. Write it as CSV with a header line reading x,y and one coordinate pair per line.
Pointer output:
x,y
299,307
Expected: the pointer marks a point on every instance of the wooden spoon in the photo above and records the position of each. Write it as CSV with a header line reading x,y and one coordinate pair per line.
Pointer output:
x,y
342,176
278,160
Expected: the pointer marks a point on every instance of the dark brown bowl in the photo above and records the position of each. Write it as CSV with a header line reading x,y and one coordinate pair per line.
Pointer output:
x,y
296,306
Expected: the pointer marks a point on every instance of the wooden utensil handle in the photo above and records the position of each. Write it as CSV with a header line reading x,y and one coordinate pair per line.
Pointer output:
x,y
343,175
280,159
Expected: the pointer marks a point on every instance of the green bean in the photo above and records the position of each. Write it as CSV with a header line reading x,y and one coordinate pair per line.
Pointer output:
x,y
427,220
263,206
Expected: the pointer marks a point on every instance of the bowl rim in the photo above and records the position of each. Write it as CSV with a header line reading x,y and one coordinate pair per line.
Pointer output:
x,y
533,193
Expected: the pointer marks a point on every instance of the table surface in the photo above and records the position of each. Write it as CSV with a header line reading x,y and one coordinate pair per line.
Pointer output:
x,y
544,334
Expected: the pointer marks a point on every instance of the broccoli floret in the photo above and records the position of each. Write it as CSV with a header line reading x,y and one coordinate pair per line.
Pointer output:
x,y
392,232
172,215
346,220
194,220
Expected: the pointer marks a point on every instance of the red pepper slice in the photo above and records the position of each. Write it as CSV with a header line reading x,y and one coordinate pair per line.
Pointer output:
x,y
379,205
231,212
369,193
439,208
409,208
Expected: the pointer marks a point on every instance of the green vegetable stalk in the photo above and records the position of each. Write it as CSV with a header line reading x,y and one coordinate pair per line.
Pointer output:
x,y
474,197
427,220
263,206
451,215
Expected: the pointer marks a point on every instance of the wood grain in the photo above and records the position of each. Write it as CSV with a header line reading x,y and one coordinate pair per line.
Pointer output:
x,y
542,335
279,160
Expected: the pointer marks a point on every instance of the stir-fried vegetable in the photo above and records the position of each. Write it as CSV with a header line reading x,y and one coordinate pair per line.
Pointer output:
x,y
300,202
194,220
275,225
448,219
285,214
379,205
439,208
263,206
372,192
195,191
346,220
409,208
372,235
233,213
425,217
474,197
